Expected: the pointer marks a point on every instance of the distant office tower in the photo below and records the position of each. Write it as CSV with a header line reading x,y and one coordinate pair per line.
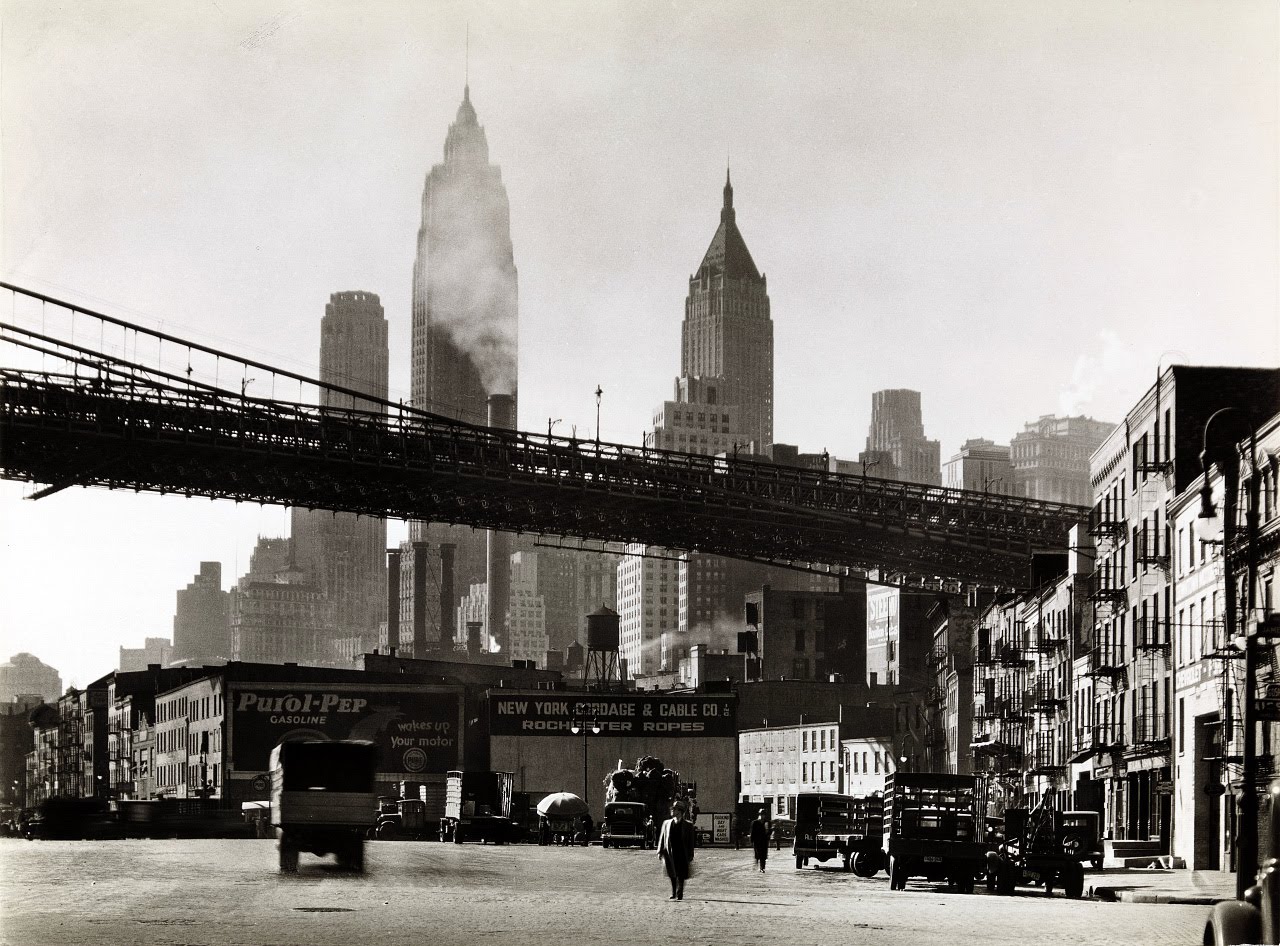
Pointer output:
x,y
571,584
727,333
897,448
526,612
982,466
464,341
277,615
201,623
26,675
343,554
268,560
154,650
698,420
1051,458
648,606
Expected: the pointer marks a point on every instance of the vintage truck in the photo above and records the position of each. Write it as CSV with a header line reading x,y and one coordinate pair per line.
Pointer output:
x,y
477,807
933,828
1032,853
831,825
322,793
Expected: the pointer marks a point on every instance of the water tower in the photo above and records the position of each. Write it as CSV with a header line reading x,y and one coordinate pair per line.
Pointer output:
x,y
602,648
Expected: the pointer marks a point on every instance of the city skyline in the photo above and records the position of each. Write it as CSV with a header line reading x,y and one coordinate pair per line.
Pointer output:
x,y
1010,233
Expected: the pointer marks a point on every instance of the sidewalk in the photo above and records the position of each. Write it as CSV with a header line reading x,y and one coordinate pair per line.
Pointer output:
x,y
1147,885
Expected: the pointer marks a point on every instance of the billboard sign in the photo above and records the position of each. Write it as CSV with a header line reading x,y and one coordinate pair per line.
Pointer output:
x,y
620,715
415,728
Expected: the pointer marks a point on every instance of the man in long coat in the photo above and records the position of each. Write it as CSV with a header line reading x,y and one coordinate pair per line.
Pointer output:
x,y
675,849
760,839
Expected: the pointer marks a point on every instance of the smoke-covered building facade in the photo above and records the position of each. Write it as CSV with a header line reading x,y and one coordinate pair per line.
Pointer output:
x,y
464,336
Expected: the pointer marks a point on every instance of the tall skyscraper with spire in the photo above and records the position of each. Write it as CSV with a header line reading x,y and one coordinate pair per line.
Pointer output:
x,y
343,554
727,333
723,404
464,344
464,280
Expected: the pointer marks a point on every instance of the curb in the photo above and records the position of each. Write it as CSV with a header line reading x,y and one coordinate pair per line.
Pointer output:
x,y
1120,895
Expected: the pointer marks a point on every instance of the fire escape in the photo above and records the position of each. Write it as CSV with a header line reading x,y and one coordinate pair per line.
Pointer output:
x,y
1045,701
1000,719
939,667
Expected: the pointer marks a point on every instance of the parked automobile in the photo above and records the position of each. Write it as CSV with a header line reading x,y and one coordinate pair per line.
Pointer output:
x,y
784,832
1256,918
625,824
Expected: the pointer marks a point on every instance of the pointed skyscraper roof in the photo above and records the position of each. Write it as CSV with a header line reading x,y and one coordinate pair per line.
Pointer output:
x,y
728,253
466,139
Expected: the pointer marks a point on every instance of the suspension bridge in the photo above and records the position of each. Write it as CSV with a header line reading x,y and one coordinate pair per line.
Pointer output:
x,y
90,400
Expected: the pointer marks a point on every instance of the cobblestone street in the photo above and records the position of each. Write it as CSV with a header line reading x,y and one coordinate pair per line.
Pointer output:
x,y
229,893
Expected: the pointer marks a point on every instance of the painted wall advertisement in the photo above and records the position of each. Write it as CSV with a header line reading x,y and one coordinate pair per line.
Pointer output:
x,y
416,729
621,715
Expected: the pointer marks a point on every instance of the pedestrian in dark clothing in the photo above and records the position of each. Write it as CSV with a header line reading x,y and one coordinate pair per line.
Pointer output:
x,y
675,849
760,839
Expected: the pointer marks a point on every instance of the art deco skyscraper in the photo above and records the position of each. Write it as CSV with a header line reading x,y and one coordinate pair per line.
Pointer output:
x,y
897,448
723,404
727,333
464,345
343,554
464,280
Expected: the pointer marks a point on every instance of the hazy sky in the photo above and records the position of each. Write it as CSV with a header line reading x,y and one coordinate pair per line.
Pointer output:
x,y
1016,208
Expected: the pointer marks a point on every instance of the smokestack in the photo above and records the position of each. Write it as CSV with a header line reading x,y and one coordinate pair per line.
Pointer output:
x,y
393,597
502,416
420,599
446,595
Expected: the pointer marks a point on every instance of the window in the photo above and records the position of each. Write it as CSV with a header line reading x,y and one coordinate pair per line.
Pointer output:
x,y
797,607
877,762
804,742
824,740
804,771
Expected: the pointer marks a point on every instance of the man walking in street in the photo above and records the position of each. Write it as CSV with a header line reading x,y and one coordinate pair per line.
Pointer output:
x,y
675,849
760,839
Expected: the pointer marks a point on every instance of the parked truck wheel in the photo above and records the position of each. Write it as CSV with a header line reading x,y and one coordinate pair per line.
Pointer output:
x,y
456,834
964,882
799,862
288,855
1073,881
387,831
1006,880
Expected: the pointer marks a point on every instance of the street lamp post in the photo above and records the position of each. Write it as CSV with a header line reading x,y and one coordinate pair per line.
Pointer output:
x,y
1224,452
579,725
